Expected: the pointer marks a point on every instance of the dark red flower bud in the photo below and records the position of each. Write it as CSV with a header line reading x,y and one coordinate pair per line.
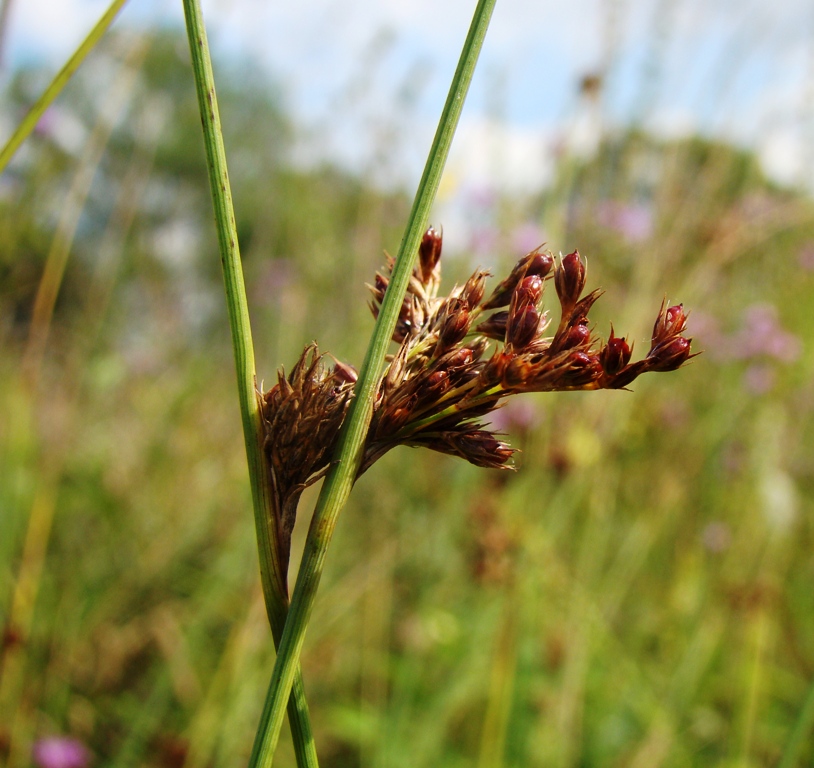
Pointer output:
x,y
582,369
539,264
569,279
482,448
344,373
460,358
575,336
524,319
495,326
670,322
429,254
669,355
522,327
615,355
431,388
454,323
530,288
534,264
438,382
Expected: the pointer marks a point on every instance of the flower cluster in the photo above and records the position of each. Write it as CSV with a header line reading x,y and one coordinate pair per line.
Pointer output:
x,y
441,380
302,415
458,357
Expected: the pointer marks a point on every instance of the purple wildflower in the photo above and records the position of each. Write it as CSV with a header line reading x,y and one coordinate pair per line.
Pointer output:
x,y
60,752
761,335
634,222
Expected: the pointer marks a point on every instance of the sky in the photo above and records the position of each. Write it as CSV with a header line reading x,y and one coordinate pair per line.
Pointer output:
x,y
364,75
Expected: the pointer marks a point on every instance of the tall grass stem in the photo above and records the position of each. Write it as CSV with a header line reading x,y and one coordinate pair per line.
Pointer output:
x,y
349,451
30,121
237,306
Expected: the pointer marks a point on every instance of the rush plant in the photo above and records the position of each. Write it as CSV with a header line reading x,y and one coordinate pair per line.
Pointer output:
x,y
457,358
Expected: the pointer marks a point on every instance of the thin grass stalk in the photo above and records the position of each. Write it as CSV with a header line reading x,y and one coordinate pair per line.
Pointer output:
x,y
29,122
237,306
348,457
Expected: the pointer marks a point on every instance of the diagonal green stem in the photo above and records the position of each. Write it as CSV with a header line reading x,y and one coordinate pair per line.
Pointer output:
x,y
350,448
53,90
237,305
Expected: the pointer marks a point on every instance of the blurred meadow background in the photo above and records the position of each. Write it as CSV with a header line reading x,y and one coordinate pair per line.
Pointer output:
x,y
639,593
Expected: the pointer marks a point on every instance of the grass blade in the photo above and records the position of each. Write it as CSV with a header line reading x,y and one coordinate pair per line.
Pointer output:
x,y
58,83
270,569
339,481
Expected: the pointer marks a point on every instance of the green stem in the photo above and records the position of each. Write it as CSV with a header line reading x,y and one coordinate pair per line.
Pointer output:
x,y
53,90
350,448
237,305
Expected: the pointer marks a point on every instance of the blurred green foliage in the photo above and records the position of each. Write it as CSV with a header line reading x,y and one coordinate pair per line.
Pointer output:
x,y
637,594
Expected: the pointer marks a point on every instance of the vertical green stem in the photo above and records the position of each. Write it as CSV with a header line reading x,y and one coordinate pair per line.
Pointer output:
x,y
339,481
237,305
53,90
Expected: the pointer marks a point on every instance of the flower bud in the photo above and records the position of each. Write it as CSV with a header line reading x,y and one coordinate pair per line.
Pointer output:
x,y
454,324
482,448
522,327
344,373
495,326
473,291
669,355
539,264
569,279
438,382
615,355
534,264
670,322
582,369
530,288
456,359
575,336
429,254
